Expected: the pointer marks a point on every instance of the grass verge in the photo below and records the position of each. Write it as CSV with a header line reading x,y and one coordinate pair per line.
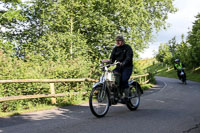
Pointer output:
x,y
41,107
32,109
193,75
146,86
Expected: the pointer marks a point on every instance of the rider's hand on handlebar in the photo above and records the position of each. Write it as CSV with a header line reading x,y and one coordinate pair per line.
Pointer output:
x,y
106,61
120,65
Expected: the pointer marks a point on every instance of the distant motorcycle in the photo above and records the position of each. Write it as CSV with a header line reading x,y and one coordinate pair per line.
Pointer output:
x,y
107,92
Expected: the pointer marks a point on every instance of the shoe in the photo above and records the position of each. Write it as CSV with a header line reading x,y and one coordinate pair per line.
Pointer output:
x,y
126,92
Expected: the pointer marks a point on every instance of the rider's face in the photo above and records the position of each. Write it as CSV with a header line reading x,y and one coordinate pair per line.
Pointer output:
x,y
119,43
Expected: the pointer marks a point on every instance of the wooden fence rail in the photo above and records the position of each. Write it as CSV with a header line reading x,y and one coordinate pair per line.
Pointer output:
x,y
140,78
52,88
46,80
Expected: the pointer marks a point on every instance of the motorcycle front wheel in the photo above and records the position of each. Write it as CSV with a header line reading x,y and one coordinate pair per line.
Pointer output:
x,y
99,101
183,79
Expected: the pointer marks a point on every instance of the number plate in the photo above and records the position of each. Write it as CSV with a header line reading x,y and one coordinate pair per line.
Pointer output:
x,y
109,76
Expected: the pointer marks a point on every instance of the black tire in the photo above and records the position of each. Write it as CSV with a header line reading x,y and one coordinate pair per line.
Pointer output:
x,y
184,79
99,101
185,82
134,98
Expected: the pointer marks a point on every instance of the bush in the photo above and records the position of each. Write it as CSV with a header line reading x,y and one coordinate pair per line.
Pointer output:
x,y
13,68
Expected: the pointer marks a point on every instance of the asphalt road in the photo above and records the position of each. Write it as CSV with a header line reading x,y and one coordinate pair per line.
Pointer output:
x,y
169,107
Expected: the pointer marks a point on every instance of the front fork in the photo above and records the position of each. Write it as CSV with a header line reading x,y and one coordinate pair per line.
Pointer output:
x,y
102,93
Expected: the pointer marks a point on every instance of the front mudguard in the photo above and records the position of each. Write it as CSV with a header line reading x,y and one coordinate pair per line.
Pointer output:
x,y
136,85
100,84
97,84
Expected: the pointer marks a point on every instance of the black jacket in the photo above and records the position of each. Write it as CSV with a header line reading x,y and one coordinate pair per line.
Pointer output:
x,y
123,54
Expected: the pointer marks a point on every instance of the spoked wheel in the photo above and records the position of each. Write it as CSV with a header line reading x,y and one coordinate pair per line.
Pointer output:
x,y
134,98
99,101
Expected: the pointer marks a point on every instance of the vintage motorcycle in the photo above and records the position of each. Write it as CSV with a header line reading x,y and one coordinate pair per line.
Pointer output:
x,y
107,92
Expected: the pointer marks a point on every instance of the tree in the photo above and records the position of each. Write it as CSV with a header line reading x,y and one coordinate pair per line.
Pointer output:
x,y
9,17
164,55
194,41
75,28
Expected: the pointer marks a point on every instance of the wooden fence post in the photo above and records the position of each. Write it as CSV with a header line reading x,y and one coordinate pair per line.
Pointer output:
x,y
52,90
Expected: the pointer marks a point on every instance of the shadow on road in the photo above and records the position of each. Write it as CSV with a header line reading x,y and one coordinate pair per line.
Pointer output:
x,y
69,112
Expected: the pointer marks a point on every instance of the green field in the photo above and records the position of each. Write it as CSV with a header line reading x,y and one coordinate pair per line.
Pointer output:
x,y
159,69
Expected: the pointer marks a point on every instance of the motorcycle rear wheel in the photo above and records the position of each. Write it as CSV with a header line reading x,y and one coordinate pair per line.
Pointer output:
x,y
134,98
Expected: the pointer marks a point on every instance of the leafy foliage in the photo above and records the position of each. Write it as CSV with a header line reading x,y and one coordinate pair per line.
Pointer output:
x,y
91,24
67,39
164,54
187,51
12,68
194,41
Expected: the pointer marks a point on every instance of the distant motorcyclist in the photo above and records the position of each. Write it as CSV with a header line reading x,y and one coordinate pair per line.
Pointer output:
x,y
179,67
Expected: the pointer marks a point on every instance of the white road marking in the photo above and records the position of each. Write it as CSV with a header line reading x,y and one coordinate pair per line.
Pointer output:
x,y
164,85
161,89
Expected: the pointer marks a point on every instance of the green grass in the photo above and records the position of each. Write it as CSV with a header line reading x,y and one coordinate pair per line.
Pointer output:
x,y
193,75
151,65
146,86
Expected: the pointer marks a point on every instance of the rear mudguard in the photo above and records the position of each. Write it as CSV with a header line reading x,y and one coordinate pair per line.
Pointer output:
x,y
136,84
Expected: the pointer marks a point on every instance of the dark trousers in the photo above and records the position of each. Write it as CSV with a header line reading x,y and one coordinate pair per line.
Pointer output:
x,y
125,75
178,74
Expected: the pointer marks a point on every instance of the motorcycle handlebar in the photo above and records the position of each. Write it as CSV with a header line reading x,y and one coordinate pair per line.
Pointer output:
x,y
109,63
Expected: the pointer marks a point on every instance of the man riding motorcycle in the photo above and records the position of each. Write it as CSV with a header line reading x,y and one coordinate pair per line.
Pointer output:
x,y
179,67
123,53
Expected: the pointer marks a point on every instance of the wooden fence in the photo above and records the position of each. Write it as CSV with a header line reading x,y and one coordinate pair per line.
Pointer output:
x,y
52,88
145,80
